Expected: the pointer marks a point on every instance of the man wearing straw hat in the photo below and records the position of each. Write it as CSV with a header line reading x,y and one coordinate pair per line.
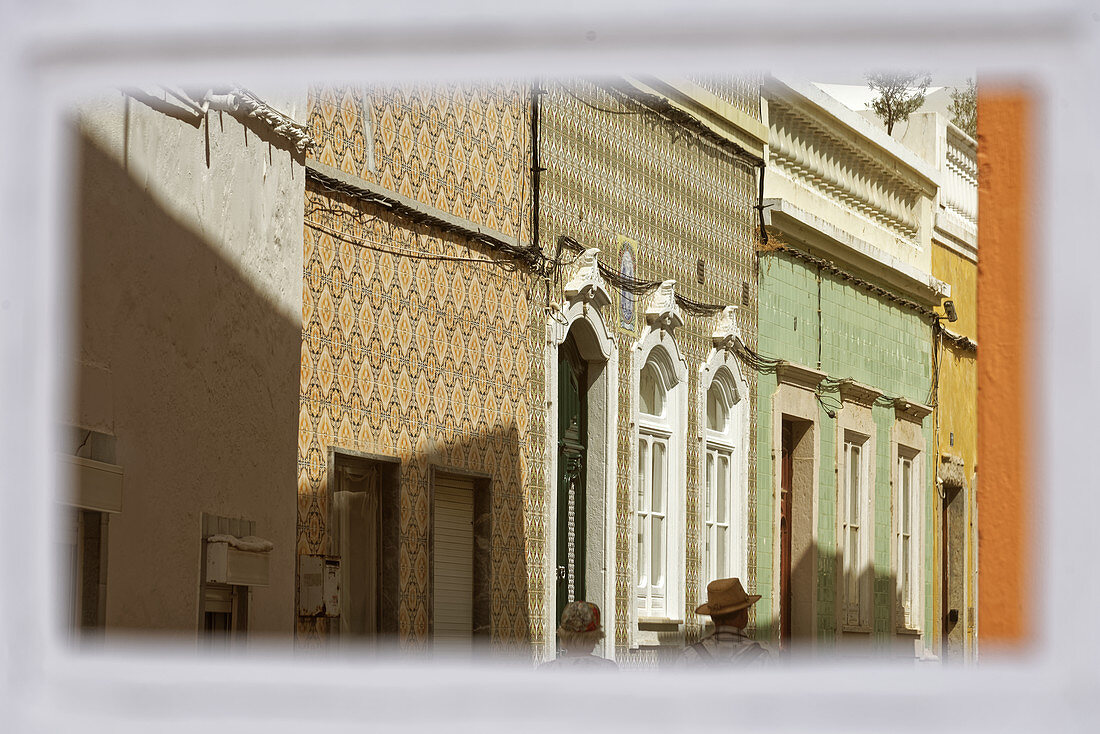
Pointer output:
x,y
728,607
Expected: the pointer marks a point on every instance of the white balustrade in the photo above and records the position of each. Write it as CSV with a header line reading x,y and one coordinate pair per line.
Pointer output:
x,y
960,186
807,152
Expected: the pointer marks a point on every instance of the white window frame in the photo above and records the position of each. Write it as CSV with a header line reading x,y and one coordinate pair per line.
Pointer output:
x,y
653,590
855,594
721,369
658,346
908,612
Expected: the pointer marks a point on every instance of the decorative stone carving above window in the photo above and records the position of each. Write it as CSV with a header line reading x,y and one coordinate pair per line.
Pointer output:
x,y
855,392
788,373
662,311
903,409
587,285
952,472
726,332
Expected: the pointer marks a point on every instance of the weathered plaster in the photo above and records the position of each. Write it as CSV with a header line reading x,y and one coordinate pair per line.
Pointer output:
x,y
189,245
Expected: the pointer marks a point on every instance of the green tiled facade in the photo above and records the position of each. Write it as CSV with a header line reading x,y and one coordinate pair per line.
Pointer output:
x,y
879,343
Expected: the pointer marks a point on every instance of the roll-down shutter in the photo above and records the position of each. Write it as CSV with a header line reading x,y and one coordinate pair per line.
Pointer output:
x,y
453,561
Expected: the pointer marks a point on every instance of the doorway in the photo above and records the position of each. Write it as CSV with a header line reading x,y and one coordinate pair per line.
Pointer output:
x,y
572,474
798,555
953,571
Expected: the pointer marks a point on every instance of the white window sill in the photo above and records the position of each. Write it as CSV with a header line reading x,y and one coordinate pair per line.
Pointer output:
x,y
659,624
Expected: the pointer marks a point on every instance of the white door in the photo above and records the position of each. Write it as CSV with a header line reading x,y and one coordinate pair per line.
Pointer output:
x,y
453,548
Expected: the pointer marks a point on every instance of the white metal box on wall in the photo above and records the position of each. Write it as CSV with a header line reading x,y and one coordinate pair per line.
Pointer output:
x,y
226,564
95,485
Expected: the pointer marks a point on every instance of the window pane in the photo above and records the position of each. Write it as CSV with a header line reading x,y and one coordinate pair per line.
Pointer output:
x,y
853,484
853,555
722,487
651,393
657,488
643,520
906,507
717,410
723,571
657,555
903,573
710,486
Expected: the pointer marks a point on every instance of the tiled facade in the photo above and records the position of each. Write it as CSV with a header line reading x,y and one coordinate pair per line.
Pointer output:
x,y
425,346
865,337
846,301
409,354
654,199
422,343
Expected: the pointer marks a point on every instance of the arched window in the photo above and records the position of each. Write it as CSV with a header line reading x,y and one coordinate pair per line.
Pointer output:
x,y
720,480
651,392
658,484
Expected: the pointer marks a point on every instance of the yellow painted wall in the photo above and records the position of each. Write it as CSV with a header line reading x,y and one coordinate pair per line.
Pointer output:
x,y
958,402
958,374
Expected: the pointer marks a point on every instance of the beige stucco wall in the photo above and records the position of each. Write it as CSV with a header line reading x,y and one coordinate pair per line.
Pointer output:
x,y
188,254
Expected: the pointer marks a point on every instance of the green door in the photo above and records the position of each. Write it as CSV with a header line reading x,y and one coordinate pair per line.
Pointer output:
x,y
572,455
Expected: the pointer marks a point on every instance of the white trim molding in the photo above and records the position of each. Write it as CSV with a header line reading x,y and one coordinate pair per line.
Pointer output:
x,y
581,313
657,345
907,443
723,369
795,399
855,427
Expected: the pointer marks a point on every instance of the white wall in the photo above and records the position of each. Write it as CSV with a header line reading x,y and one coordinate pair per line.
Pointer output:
x,y
188,278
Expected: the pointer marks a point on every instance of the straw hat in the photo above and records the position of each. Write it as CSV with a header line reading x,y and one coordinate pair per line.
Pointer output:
x,y
725,596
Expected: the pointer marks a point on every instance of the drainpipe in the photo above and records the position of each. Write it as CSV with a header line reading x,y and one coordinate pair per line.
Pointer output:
x,y
536,168
819,335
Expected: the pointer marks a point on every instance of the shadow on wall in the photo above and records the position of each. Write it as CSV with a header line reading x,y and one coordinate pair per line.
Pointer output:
x,y
818,626
196,376
446,576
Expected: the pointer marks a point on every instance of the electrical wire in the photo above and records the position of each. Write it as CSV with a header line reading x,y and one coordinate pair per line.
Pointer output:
x,y
411,254
597,107
530,256
855,279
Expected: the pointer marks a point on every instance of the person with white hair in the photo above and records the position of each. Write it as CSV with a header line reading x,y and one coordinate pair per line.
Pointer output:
x,y
579,632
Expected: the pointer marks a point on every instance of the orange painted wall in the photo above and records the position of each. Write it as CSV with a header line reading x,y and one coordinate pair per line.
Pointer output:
x,y
1005,539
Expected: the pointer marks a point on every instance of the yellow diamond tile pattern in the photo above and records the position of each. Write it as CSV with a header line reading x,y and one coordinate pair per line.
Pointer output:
x,y
435,362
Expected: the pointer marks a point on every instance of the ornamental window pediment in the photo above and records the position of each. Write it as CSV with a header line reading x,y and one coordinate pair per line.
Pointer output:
x,y
662,311
587,286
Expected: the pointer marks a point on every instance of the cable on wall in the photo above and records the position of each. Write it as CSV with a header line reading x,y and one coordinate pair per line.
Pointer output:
x,y
529,255
854,279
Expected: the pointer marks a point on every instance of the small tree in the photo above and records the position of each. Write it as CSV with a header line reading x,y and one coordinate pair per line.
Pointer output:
x,y
899,95
964,108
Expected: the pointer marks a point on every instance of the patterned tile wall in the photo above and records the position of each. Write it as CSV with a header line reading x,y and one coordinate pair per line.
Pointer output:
x,y
464,148
433,361
876,342
611,174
